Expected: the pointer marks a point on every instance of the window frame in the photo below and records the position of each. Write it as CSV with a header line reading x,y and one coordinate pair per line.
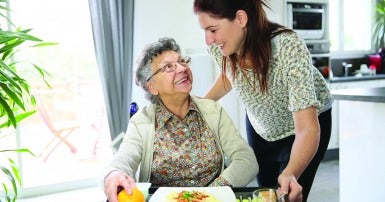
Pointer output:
x,y
340,51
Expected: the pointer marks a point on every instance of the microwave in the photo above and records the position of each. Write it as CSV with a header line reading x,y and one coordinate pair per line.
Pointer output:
x,y
309,20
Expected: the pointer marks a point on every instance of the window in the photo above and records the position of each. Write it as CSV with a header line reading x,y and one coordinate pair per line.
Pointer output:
x,y
70,133
350,23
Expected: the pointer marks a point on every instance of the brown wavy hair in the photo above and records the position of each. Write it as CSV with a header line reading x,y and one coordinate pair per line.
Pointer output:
x,y
260,31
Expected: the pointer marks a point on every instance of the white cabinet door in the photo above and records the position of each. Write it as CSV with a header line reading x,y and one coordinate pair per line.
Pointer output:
x,y
334,139
381,83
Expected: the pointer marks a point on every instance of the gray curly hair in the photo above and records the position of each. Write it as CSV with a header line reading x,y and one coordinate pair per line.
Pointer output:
x,y
143,68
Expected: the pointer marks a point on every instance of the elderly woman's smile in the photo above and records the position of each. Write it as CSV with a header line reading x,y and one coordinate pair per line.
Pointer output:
x,y
184,81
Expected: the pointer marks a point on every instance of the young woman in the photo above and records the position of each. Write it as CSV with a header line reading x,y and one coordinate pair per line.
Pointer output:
x,y
287,101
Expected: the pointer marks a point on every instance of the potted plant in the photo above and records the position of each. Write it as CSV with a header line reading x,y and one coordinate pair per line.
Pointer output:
x,y
378,38
378,32
16,100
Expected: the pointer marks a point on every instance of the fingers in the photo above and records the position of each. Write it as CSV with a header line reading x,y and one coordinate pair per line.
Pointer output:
x,y
296,198
295,191
128,183
115,182
284,182
290,186
295,194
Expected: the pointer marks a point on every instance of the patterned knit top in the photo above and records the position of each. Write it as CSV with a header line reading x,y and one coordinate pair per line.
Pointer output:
x,y
293,84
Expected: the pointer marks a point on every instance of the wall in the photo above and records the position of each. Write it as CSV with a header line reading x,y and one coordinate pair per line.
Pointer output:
x,y
154,19
277,11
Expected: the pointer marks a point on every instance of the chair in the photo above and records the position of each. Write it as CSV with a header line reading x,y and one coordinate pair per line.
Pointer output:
x,y
60,133
133,108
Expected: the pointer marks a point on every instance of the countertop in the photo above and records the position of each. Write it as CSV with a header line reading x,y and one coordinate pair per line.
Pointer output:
x,y
360,94
354,78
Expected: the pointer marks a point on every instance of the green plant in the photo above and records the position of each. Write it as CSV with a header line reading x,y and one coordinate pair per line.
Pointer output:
x,y
13,177
16,100
378,32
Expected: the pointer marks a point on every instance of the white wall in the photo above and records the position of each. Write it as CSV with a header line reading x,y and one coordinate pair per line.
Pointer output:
x,y
173,18
277,11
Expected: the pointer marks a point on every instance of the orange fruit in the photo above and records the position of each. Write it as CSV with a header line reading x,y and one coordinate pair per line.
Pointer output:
x,y
136,196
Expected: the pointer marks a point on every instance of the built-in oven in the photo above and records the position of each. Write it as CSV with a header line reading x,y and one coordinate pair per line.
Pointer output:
x,y
307,19
310,20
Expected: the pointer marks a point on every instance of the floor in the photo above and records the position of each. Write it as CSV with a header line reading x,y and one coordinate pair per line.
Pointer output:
x,y
326,183
325,188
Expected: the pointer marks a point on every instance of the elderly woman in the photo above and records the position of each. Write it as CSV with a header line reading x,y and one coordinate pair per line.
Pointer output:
x,y
178,140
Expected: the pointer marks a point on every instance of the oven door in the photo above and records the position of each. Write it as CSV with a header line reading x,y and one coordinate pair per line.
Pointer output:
x,y
308,20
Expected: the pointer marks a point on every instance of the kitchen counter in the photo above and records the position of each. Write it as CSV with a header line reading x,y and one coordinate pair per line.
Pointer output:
x,y
354,78
361,142
360,94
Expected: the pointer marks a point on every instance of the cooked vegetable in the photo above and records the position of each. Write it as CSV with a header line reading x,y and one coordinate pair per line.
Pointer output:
x,y
191,196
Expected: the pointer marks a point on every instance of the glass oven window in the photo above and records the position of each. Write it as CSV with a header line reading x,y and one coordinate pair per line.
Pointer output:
x,y
307,21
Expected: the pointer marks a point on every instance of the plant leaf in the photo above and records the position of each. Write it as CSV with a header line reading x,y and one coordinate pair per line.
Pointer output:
x,y
21,150
42,73
6,192
10,177
20,35
10,46
45,44
8,78
18,118
15,172
12,95
9,111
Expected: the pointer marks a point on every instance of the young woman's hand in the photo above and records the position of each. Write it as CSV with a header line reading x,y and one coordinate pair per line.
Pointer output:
x,y
290,187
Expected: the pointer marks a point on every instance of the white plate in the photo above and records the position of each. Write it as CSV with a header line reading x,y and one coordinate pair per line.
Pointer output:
x,y
223,194
143,187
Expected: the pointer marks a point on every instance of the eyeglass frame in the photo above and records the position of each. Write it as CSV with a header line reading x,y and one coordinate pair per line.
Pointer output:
x,y
184,61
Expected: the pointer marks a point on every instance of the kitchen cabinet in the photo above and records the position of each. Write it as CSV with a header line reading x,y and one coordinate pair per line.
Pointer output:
x,y
362,143
381,83
334,139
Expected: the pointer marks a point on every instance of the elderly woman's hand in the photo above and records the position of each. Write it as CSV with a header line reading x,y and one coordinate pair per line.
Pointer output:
x,y
289,185
113,181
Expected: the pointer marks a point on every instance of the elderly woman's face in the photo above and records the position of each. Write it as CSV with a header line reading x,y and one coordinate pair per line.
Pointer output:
x,y
167,84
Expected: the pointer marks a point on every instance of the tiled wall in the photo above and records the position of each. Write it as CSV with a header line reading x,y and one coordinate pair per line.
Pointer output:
x,y
338,69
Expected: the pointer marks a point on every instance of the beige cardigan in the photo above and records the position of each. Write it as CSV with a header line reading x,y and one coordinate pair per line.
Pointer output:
x,y
136,150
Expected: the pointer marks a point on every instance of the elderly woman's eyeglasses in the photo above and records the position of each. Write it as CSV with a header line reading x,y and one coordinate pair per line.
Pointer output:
x,y
170,67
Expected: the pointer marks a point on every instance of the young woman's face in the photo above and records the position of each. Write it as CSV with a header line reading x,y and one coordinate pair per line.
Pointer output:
x,y
168,84
228,35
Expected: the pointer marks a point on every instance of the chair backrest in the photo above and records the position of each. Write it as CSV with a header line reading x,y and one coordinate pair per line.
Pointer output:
x,y
133,108
43,112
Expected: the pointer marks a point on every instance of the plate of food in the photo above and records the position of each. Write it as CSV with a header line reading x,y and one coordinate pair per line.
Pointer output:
x,y
198,194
